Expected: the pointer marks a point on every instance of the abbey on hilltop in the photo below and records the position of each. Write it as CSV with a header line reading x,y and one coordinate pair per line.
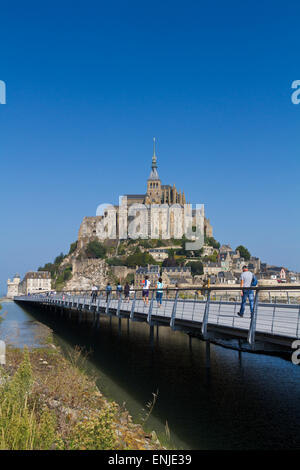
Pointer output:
x,y
156,193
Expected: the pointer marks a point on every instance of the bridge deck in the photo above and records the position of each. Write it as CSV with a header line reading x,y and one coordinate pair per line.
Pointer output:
x,y
272,320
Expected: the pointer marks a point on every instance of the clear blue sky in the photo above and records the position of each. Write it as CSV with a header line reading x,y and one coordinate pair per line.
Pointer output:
x,y
90,83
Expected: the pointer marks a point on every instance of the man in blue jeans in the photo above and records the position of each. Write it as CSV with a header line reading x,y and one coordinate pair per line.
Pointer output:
x,y
246,281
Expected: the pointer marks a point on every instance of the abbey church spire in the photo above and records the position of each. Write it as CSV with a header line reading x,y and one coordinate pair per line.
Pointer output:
x,y
154,193
154,173
154,155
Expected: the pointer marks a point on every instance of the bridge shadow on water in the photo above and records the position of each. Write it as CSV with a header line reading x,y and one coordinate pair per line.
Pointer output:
x,y
211,397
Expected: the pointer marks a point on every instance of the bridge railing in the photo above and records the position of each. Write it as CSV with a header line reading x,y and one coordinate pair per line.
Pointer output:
x,y
276,308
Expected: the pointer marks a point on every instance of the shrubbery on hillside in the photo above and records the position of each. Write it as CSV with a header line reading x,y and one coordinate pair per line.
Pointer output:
x,y
139,259
95,249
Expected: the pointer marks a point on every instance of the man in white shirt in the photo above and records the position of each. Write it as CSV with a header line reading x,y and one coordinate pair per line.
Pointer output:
x,y
247,293
146,290
94,293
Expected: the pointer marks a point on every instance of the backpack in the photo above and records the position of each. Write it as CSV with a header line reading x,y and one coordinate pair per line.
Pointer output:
x,y
254,281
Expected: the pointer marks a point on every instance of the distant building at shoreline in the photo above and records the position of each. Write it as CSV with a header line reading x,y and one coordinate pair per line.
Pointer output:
x,y
13,286
32,283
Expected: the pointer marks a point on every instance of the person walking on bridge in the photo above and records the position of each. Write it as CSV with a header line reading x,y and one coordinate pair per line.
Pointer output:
x,y
119,290
146,286
108,291
248,280
126,291
94,293
159,292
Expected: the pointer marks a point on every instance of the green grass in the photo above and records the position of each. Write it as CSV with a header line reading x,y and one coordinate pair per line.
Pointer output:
x,y
48,402
21,426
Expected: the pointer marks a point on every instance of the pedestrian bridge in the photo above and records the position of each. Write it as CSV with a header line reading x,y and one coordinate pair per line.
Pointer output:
x,y
274,324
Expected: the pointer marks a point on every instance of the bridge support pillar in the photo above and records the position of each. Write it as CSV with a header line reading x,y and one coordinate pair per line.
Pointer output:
x,y
128,326
151,335
207,354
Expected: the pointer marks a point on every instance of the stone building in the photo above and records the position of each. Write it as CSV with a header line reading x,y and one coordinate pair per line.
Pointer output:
x,y
156,193
161,253
13,287
254,264
225,277
152,271
208,250
212,268
177,275
34,282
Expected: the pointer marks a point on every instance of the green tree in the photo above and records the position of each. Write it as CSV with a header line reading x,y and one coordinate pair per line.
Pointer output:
x,y
213,257
139,259
95,249
59,258
169,263
196,267
73,247
115,261
212,242
171,253
244,252
51,268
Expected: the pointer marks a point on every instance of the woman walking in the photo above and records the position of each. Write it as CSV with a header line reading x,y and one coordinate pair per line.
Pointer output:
x,y
159,292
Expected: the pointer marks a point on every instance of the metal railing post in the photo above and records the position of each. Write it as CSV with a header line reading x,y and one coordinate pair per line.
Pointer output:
x,y
252,328
298,327
173,315
108,302
133,307
273,317
205,316
119,304
194,304
150,309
